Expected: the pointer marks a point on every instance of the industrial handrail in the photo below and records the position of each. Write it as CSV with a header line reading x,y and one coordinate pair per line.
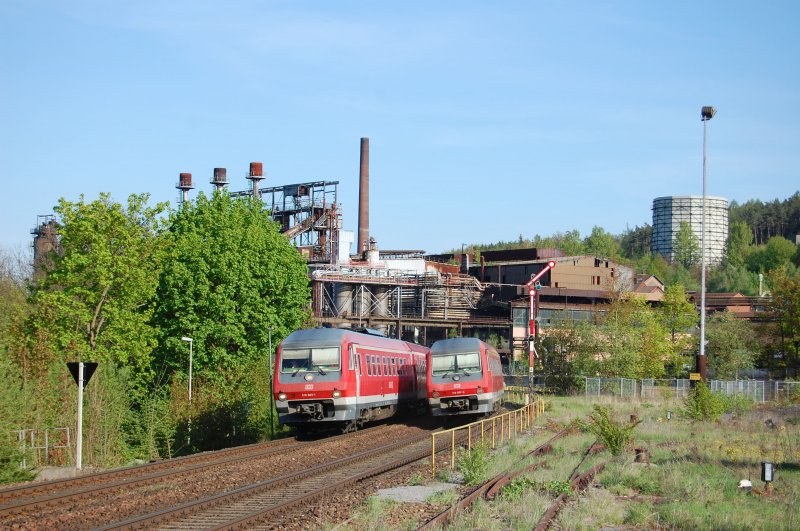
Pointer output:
x,y
511,424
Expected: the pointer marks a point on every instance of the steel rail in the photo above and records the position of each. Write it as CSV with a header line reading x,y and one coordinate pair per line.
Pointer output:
x,y
57,484
77,488
205,512
83,490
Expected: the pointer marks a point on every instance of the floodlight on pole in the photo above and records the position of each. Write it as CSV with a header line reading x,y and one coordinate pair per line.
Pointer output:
x,y
706,113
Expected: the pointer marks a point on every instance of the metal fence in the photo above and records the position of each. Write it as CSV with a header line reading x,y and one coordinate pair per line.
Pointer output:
x,y
653,388
49,446
753,389
786,391
621,387
756,390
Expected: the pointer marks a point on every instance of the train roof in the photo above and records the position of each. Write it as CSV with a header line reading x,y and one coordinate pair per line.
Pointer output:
x,y
326,337
456,344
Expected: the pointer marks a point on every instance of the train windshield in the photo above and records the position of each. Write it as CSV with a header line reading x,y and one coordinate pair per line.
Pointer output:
x,y
321,360
466,362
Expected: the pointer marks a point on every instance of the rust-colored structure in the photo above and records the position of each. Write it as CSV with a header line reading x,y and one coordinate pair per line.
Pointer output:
x,y
363,198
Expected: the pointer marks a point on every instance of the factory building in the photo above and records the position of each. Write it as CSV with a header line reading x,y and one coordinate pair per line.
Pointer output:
x,y
670,211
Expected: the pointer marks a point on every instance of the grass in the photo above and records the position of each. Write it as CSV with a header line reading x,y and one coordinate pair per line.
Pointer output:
x,y
691,482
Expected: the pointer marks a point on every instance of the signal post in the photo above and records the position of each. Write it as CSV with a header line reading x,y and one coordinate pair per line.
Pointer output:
x,y
533,287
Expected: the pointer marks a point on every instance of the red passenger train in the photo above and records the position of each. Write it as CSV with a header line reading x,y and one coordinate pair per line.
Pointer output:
x,y
342,378
465,376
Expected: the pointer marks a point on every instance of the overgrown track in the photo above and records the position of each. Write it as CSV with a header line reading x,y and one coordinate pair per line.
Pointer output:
x,y
490,488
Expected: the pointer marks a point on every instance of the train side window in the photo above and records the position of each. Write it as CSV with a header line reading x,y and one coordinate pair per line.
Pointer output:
x,y
385,366
352,358
394,367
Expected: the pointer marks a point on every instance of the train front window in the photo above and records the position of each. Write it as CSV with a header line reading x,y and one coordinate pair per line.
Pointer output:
x,y
466,362
469,362
320,360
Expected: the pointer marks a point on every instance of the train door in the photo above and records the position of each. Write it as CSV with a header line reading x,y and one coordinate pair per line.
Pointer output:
x,y
355,366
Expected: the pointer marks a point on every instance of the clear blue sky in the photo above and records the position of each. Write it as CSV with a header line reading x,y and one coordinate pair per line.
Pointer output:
x,y
486,120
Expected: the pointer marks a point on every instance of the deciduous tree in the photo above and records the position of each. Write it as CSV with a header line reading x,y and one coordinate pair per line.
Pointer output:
x,y
230,277
96,302
686,245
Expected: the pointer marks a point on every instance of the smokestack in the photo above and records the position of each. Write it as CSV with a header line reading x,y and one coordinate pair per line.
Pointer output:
x,y
255,175
363,198
220,178
184,185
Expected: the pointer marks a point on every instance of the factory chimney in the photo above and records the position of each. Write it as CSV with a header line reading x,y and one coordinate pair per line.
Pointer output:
x,y
363,198
184,185
220,178
255,175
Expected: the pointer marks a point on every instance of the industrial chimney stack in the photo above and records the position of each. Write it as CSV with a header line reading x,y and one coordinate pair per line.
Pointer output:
x,y
220,178
255,175
363,198
184,185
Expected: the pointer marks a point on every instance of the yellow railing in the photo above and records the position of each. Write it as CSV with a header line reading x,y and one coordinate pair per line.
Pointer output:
x,y
517,394
502,428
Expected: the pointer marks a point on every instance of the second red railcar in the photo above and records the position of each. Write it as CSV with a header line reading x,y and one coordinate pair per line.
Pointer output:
x,y
465,376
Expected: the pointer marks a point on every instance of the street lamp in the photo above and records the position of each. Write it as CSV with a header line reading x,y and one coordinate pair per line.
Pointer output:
x,y
706,113
190,341
271,389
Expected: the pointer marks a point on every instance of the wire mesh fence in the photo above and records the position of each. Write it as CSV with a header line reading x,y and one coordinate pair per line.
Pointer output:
x,y
622,387
655,388
753,389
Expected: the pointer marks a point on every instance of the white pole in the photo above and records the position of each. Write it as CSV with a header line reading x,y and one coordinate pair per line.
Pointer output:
x,y
189,439
191,343
79,444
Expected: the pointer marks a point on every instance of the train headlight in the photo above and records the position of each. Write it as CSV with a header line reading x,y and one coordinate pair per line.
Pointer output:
x,y
281,396
435,394
337,393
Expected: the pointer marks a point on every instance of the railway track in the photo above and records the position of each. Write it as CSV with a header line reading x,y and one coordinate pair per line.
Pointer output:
x,y
94,499
9,497
251,505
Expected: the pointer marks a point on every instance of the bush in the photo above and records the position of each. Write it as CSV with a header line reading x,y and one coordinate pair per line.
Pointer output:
x,y
702,404
617,436
13,400
473,464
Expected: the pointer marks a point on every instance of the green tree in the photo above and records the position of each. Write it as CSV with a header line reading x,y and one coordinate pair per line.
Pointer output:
x,y
96,302
732,279
739,239
785,310
602,243
634,343
731,345
231,277
677,313
776,253
635,243
14,273
686,245
557,353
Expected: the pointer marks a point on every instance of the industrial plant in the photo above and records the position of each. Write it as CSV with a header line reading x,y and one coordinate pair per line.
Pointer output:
x,y
424,297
